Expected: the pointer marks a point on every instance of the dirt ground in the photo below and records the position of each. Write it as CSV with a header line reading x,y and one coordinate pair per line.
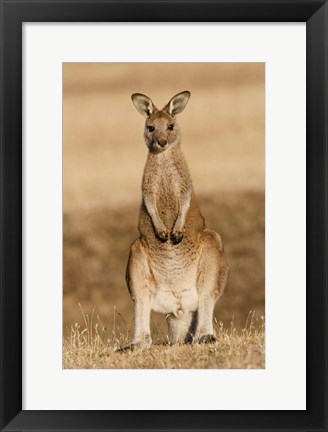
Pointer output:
x,y
104,154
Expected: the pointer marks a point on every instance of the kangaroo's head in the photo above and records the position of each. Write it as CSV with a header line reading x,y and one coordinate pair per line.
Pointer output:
x,y
161,128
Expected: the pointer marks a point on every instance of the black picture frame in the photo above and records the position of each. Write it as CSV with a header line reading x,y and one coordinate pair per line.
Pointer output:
x,y
13,14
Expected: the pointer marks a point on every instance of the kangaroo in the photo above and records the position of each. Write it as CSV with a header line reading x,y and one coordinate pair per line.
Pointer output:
x,y
177,266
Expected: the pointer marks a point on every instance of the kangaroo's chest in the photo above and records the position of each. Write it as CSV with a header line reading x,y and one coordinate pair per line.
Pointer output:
x,y
168,183
167,196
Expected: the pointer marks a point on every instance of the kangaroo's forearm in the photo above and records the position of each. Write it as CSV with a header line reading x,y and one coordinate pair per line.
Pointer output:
x,y
184,205
150,203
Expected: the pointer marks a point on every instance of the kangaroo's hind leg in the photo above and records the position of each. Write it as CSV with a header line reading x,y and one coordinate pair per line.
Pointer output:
x,y
138,278
212,276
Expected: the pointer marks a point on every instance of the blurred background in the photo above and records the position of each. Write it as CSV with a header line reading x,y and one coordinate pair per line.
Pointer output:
x,y
104,156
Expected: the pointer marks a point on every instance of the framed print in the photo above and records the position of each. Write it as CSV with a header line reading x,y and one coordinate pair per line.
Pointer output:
x,y
163,230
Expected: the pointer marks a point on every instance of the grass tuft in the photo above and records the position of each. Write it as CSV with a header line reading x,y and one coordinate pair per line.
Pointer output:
x,y
93,346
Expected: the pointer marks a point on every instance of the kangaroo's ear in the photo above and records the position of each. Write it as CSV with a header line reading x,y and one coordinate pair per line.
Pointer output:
x,y
143,104
178,103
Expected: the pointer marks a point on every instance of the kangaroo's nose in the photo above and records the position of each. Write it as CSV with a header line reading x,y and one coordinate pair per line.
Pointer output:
x,y
162,142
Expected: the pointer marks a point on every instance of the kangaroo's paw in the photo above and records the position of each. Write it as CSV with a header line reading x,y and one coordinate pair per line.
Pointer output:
x,y
176,237
205,339
163,236
131,346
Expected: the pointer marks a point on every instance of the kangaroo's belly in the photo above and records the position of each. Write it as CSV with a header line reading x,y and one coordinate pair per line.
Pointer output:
x,y
173,288
176,302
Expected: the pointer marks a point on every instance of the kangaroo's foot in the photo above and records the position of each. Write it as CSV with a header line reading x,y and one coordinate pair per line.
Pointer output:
x,y
176,237
206,339
132,346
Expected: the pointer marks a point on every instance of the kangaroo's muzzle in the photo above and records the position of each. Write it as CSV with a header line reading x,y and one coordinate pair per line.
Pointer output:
x,y
158,145
162,143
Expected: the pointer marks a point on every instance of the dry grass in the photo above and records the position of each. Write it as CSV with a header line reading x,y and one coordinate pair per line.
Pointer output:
x,y
93,347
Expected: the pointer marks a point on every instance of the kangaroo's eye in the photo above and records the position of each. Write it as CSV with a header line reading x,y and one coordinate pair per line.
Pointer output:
x,y
171,127
150,128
